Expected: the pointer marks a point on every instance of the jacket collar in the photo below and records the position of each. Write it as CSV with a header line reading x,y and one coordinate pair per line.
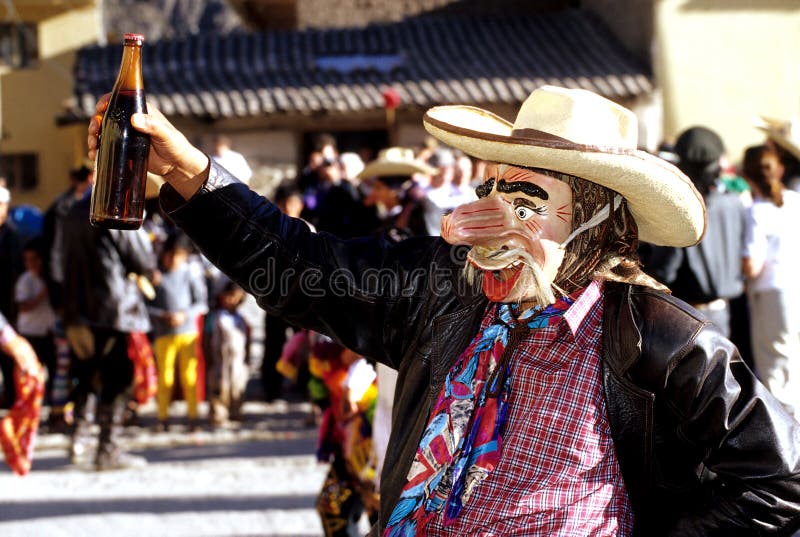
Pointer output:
x,y
622,337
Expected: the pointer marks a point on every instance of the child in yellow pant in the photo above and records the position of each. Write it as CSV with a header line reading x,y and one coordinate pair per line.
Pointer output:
x,y
180,297
168,349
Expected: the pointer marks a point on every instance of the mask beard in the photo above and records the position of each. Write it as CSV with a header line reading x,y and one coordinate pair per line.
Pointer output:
x,y
531,285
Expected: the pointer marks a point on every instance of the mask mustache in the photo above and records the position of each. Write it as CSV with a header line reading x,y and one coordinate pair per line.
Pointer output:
x,y
537,289
498,258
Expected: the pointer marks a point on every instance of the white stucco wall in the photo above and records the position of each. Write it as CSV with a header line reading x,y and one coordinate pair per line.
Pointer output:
x,y
720,62
31,99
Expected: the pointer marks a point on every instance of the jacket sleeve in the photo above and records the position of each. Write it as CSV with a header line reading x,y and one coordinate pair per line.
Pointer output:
x,y
135,250
749,445
365,293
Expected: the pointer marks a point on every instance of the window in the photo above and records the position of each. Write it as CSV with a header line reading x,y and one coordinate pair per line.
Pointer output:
x,y
19,44
21,171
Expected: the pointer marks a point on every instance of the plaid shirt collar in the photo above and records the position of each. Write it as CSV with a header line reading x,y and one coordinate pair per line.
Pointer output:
x,y
569,325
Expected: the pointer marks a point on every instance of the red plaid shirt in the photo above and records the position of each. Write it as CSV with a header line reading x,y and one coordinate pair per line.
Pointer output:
x,y
558,474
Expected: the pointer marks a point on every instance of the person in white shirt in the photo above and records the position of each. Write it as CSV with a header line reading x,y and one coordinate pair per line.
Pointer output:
x,y
231,160
36,318
462,189
438,194
771,260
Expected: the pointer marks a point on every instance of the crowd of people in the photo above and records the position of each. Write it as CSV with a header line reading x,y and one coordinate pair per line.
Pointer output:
x,y
99,298
741,274
114,317
107,295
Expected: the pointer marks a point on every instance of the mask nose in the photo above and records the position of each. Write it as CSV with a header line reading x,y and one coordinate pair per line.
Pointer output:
x,y
479,223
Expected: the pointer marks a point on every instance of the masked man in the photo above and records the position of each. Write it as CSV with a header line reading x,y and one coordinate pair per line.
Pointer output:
x,y
565,394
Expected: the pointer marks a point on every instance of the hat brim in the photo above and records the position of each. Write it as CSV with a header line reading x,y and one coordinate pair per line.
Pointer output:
x,y
668,210
378,168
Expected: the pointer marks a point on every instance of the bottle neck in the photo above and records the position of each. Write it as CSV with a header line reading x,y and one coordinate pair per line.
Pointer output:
x,y
130,70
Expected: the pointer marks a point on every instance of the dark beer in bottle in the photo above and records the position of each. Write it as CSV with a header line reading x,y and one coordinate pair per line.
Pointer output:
x,y
121,171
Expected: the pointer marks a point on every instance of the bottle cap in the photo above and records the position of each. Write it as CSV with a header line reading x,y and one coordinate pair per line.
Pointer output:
x,y
134,37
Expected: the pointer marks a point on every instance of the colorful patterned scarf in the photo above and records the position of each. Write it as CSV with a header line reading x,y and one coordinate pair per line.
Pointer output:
x,y
18,428
462,442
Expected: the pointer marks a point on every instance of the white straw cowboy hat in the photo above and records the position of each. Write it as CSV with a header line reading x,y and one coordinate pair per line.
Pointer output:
x,y
578,132
395,161
785,133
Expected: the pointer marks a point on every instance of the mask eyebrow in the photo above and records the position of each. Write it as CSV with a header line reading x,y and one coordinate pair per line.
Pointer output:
x,y
530,189
485,189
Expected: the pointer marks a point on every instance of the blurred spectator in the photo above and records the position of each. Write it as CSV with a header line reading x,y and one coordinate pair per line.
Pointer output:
x,y
10,269
440,190
366,153
463,191
326,145
226,343
338,206
392,188
180,298
288,199
102,306
294,359
80,182
390,185
429,146
324,151
352,165
783,138
308,181
36,318
231,160
346,391
731,181
707,275
771,262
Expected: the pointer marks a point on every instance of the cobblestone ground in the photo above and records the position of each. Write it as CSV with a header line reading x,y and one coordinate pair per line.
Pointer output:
x,y
257,479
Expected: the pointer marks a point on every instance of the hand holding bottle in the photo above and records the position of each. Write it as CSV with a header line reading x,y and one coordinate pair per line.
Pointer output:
x,y
172,156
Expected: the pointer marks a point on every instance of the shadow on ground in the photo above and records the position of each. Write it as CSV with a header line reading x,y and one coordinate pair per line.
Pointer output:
x,y
30,510
197,451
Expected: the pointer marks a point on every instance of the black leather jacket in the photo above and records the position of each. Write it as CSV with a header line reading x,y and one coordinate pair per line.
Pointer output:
x,y
703,448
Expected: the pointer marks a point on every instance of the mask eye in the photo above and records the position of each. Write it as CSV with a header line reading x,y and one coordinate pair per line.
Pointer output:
x,y
523,213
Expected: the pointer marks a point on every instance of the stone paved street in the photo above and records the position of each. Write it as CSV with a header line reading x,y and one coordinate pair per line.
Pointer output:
x,y
260,479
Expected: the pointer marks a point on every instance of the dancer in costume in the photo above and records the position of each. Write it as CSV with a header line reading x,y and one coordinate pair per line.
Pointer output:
x,y
563,391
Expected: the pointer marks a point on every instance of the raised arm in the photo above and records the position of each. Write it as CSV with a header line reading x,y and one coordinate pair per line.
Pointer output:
x,y
365,293
18,348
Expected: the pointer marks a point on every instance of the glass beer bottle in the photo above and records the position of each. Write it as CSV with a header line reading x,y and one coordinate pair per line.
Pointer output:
x,y
118,194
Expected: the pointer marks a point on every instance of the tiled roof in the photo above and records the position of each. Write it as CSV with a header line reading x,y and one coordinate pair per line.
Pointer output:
x,y
427,60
